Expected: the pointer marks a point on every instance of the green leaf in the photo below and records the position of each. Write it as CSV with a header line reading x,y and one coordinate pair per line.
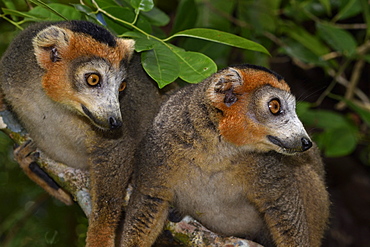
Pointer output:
x,y
367,58
144,24
218,52
144,43
85,9
261,15
296,50
339,136
156,17
26,15
142,5
308,40
339,39
323,119
351,8
50,8
366,13
114,26
123,13
194,66
55,12
127,15
10,5
364,113
186,16
133,34
106,3
161,64
303,107
210,14
327,6
338,141
222,38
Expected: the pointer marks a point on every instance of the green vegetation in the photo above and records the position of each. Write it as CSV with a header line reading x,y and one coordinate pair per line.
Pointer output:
x,y
187,40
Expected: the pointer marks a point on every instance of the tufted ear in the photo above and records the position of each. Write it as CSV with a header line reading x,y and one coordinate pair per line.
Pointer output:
x,y
222,89
128,46
48,43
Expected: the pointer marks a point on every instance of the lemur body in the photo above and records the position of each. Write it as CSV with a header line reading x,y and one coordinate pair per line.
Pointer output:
x,y
63,80
232,153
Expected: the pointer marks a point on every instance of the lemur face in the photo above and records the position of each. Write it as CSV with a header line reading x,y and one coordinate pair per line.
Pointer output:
x,y
85,70
97,84
274,109
257,110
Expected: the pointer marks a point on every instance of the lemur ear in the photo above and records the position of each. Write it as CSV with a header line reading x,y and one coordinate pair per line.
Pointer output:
x,y
48,43
128,45
223,86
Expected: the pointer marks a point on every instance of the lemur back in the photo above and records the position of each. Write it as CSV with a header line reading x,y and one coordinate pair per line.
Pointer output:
x,y
83,97
232,153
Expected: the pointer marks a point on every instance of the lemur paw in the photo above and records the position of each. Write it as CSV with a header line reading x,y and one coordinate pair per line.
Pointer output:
x,y
27,157
25,154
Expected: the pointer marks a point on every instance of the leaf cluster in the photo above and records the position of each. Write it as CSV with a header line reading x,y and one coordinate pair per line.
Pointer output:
x,y
330,35
139,20
313,33
185,39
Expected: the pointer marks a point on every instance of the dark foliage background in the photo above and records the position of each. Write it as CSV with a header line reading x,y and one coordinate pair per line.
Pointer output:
x,y
321,47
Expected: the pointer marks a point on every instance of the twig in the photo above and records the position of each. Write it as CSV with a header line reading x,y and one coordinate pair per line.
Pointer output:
x,y
355,77
352,26
227,16
333,83
344,82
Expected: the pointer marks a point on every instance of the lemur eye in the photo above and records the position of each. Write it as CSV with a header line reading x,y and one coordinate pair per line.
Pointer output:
x,y
122,86
275,107
92,79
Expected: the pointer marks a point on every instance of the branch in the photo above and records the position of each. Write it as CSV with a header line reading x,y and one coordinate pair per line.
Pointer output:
x,y
188,232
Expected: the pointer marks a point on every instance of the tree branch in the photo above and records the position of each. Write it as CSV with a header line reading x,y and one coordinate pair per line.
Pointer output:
x,y
188,232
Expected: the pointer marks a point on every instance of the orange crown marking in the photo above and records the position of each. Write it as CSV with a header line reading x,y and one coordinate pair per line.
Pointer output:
x,y
235,125
56,80
83,45
253,79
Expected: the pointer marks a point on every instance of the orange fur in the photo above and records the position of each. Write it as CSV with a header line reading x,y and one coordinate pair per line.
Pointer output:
x,y
235,125
256,78
79,45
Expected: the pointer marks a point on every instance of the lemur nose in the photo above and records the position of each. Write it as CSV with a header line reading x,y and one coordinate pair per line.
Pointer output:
x,y
114,123
306,143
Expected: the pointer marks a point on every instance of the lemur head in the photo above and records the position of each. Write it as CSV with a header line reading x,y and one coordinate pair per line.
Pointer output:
x,y
84,69
257,110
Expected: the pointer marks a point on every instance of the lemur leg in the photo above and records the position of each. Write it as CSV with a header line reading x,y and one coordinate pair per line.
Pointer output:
x,y
145,221
108,183
296,214
27,158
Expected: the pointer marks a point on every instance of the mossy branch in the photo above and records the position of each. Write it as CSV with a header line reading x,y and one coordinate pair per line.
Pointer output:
x,y
188,232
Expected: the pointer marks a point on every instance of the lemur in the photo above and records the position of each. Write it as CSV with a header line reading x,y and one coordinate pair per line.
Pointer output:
x,y
83,97
231,153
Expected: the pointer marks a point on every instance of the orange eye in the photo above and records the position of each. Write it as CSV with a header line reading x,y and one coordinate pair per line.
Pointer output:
x,y
93,79
275,107
122,86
